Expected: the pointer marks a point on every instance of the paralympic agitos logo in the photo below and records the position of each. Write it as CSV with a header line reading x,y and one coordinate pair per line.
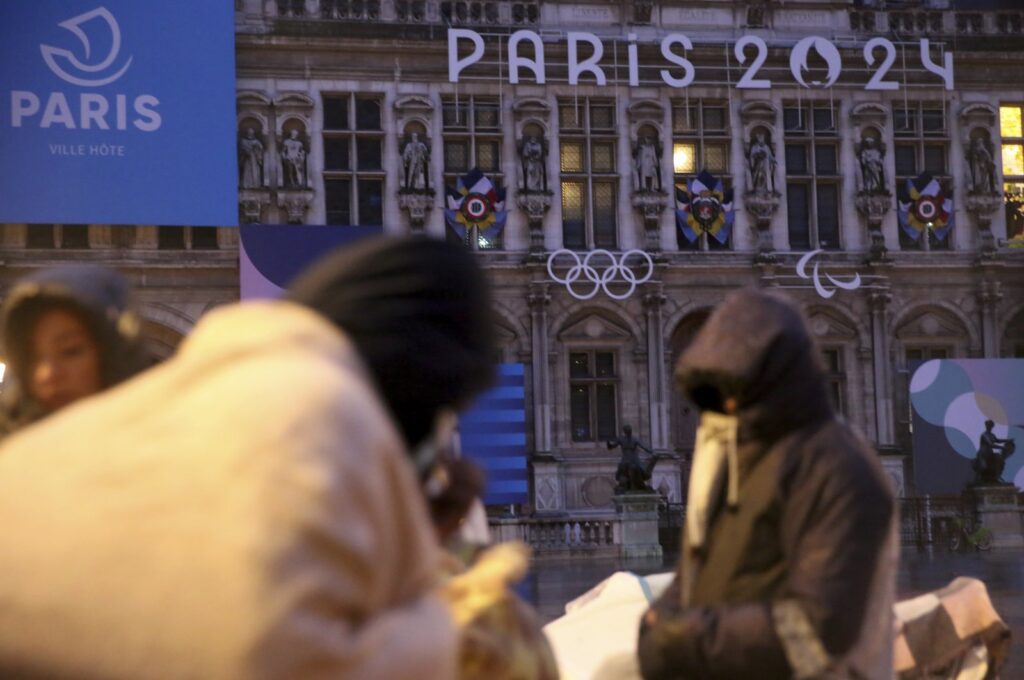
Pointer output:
x,y
82,67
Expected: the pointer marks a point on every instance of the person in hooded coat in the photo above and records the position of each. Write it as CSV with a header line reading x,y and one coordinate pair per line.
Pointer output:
x,y
248,509
68,332
790,552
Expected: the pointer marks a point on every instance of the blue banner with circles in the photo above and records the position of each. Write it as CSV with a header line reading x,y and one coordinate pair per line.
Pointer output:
x,y
118,112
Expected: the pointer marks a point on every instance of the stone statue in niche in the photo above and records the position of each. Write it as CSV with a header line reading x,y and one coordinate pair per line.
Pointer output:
x,y
761,165
982,165
250,160
632,474
293,160
646,165
415,157
870,156
533,156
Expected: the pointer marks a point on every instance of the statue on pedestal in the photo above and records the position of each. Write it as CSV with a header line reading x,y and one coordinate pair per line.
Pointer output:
x,y
250,160
415,156
761,165
632,474
533,156
992,455
646,165
293,161
870,154
983,167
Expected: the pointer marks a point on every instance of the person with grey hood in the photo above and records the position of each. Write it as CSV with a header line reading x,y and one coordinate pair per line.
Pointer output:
x,y
68,332
251,508
789,557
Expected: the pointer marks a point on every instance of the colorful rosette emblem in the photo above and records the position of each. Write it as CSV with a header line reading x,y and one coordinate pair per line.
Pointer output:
x,y
704,206
476,203
924,205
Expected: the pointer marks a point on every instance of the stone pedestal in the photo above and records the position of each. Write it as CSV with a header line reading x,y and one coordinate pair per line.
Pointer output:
x,y
997,508
651,203
639,515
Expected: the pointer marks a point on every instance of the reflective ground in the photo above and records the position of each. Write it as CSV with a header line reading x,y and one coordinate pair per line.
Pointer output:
x,y
551,584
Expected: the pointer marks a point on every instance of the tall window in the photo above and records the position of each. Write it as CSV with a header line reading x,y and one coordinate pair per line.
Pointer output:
x,y
593,383
40,236
588,176
472,139
921,146
1013,168
700,142
353,148
812,176
835,377
74,236
186,238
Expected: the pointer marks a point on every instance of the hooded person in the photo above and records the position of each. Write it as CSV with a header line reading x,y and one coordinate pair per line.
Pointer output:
x,y
790,552
68,332
254,512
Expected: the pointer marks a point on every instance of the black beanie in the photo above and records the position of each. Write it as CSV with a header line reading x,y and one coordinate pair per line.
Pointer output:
x,y
419,312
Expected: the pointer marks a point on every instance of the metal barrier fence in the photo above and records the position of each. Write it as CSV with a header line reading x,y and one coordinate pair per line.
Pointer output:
x,y
928,520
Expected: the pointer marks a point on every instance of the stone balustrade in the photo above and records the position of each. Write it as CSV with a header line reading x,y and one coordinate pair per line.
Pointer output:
x,y
554,537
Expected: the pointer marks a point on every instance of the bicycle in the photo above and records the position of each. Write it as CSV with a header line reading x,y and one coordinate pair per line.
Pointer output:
x,y
966,532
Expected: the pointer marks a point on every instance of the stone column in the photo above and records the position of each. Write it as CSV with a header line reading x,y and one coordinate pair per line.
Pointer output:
x,y
878,301
988,297
653,302
542,410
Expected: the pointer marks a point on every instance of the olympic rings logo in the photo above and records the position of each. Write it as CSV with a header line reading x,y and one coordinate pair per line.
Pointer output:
x,y
616,269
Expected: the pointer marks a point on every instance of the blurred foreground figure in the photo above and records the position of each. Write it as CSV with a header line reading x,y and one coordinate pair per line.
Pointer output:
x,y
68,332
790,554
500,636
952,633
248,509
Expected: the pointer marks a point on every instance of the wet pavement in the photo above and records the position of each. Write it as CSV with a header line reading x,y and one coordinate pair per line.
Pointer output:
x,y
551,584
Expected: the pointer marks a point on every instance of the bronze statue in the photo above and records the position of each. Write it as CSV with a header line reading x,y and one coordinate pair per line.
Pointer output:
x,y
992,455
632,474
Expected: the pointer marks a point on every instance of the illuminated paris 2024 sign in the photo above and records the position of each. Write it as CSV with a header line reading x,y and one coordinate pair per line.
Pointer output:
x,y
751,52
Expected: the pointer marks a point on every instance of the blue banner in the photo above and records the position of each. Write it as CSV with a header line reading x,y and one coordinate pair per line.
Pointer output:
x,y
118,112
493,433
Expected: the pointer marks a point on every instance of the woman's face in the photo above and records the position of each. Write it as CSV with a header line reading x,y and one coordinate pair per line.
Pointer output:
x,y
64,360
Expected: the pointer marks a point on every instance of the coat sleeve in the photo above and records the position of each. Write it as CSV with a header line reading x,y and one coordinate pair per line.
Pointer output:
x,y
834,523
352,593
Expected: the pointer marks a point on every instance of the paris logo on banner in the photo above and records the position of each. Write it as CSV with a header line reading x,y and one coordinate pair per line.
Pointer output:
x,y
118,112
475,204
924,205
704,207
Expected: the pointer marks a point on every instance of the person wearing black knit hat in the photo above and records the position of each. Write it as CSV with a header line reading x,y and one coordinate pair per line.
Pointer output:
x,y
249,508
68,333
418,311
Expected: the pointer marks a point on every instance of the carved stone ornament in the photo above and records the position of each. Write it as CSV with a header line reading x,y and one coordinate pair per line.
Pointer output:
x,y
982,207
418,204
535,205
252,203
295,203
651,204
762,206
642,10
874,208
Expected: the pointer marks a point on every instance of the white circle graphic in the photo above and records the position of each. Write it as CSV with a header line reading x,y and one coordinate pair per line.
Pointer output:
x,y
612,269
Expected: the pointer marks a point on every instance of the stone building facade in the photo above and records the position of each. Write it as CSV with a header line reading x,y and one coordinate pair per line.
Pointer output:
x,y
335,92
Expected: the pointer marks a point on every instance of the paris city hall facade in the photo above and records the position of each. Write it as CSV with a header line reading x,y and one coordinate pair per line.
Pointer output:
x,y
596,118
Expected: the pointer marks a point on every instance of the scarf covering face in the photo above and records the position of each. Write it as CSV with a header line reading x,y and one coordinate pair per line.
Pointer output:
x,y
420,314
714,463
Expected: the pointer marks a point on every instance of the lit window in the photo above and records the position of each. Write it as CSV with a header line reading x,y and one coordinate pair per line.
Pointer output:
x,y
588,174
